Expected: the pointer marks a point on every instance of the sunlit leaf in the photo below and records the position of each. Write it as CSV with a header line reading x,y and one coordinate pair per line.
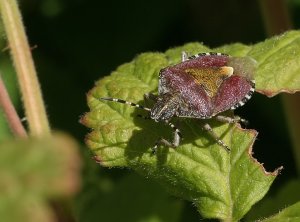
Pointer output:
x,y
221,185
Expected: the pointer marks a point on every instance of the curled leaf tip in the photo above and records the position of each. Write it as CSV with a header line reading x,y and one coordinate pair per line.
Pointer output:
x,y
96,159
251,153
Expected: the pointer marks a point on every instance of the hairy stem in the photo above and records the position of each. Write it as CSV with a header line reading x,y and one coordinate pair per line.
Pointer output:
x,y
277,20
27,77
12,117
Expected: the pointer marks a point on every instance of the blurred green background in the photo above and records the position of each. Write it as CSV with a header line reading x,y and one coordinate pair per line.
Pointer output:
x,y
77,42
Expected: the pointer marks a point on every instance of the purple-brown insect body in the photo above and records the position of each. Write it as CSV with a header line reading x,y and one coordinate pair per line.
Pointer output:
x,y
203,86
231,92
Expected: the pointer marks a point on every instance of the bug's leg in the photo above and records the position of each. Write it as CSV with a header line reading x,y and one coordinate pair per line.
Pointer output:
x,y
208,128
227,119
184,56
174,143
177,135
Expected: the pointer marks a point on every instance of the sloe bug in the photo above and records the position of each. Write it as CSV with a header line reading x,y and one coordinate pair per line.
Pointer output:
x,y
201,86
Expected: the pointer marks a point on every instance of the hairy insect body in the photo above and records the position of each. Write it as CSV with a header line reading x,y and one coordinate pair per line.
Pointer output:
x,y
201,87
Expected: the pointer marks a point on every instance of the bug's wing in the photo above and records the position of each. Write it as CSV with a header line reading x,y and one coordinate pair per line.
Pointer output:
x,y
194,101
186,78
234,92
195,108
173,77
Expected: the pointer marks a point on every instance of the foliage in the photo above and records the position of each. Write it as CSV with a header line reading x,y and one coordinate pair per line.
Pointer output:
x,y
33,171
222,186
72,43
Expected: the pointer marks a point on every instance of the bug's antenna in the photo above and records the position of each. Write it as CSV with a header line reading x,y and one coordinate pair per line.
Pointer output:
x,y
125,102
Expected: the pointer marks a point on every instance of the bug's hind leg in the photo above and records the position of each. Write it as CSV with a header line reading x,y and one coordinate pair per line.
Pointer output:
x,y
212,133
235,119
176,139
223,119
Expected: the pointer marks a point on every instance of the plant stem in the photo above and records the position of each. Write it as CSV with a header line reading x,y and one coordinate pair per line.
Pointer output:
x,y
22,58
12,117
276,16
277,20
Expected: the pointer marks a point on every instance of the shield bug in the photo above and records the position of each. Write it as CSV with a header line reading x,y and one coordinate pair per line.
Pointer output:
x,y
201,86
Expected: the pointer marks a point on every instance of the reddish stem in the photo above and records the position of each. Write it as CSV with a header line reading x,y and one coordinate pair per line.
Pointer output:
x,y
12,117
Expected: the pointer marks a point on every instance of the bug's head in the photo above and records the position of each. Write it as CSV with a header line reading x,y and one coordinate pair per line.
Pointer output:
x,y
165,107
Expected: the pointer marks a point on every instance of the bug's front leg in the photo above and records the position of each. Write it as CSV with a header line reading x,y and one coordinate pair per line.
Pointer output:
x,y
176,139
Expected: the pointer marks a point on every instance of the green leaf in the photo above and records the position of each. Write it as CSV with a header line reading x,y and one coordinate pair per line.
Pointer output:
x,y
31,172
286,196
290,214
221,185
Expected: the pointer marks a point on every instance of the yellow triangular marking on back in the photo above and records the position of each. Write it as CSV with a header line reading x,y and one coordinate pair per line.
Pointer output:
x,y
210,78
